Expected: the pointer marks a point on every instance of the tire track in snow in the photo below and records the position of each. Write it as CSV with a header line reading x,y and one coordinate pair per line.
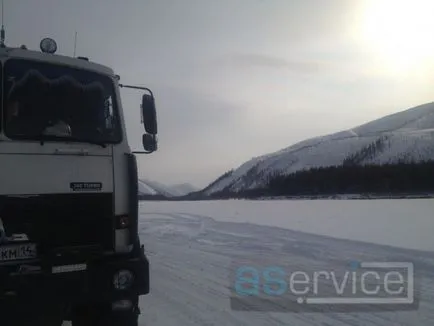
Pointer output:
x,y
193,255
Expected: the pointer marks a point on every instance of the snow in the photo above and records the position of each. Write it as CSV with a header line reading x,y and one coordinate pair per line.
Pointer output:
x,y
194,247
411,117
405,223
409,134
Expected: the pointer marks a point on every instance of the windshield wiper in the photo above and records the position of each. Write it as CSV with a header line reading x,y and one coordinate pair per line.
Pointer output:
x,y
42,138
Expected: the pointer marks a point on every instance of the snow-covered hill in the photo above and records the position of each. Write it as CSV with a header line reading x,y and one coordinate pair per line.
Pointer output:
x,y
182,189
147,187
403,136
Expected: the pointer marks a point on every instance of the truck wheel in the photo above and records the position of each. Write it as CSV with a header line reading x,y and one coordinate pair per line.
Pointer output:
x,y
97,315
129,319
35,321
29,313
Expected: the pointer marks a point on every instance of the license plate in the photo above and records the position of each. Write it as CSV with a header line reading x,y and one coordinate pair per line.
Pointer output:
x,y
18,252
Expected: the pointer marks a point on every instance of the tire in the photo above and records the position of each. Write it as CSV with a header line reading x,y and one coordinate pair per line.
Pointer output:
x,y
33,320
30,313
101,315
128,319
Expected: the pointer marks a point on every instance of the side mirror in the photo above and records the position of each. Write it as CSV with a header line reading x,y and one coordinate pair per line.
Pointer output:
x,y
149,142
149,114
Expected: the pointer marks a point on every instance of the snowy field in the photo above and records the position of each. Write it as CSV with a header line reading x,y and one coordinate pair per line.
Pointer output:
x,y
194,247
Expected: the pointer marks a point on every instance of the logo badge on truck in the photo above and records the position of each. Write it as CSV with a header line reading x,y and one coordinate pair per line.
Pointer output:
x,y
85,186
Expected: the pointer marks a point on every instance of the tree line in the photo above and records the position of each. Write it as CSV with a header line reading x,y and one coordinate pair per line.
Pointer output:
x,y
398,178
401,178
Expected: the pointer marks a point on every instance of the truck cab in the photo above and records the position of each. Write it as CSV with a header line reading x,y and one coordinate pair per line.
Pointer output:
x,y
69,244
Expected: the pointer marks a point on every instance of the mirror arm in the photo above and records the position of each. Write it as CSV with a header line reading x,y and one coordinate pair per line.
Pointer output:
x,y
137,87
141,152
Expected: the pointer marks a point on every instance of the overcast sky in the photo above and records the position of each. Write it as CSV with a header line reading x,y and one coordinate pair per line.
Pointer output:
x,y
234,79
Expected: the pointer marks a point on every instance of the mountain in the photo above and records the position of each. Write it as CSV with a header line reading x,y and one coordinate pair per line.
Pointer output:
x,y
406,136
145,189
153,188
182,189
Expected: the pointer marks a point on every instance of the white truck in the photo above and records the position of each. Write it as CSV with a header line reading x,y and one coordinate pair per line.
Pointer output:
x,y
69,245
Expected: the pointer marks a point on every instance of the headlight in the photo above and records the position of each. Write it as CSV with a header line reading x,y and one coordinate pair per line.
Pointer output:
x,y
123,279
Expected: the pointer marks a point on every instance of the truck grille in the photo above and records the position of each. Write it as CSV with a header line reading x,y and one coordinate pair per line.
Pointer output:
x,y
60,220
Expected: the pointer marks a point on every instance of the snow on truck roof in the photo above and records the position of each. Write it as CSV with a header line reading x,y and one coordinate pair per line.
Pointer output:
x,y
18,53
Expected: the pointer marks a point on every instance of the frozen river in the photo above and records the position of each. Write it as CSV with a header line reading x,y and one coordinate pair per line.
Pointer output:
x,y
195,248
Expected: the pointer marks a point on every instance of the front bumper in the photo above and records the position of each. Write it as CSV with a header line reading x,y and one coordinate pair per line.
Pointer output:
x,y
71,283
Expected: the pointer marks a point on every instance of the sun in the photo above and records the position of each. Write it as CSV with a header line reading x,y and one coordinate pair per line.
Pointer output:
x,y
399,32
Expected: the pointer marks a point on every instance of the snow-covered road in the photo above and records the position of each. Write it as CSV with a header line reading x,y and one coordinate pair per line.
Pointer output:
x,y
194,249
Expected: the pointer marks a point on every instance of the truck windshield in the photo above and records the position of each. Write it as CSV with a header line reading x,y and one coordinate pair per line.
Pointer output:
x,y
53,102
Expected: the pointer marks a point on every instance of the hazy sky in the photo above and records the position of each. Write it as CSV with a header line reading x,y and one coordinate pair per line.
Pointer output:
x,y
234,79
